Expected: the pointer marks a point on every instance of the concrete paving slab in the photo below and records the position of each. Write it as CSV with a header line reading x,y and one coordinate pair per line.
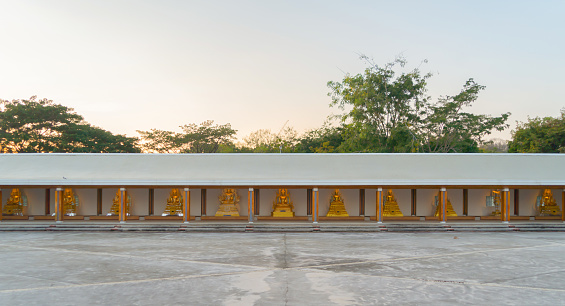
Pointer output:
x,y
133,268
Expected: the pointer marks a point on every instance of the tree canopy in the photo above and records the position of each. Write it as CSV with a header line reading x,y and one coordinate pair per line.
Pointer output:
x,y
41,126
539,135
389,111
203,138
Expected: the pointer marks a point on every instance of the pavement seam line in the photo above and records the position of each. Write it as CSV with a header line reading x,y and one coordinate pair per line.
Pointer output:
x,y
427,256
460,283
134,281
129,256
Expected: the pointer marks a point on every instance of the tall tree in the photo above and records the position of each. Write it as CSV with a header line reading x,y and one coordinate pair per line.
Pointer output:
x,y
203,138
381,104
265,141
539,135
445,126
389,111
41,126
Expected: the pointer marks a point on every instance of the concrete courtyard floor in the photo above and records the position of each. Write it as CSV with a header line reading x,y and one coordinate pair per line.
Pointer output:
x,y
140,268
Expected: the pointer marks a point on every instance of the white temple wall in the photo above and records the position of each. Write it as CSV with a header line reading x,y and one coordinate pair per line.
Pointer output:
x,y
350,199
324,201
425,202
243,202
87,201
35,200
266,198
195,202
139,201
212,202
298,197
528,201
160,196
370,202
404,200
477,202
456,198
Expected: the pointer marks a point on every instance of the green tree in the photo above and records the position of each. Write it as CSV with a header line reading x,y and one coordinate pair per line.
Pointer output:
x,y
381,104
326,139
445,127
203,138
41,126
539,135
389,111
265,141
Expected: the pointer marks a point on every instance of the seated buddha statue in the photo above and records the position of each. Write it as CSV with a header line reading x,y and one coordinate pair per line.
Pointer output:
x,y
229,203
337,206
15,204
548,206
282,205
70,202
174,204
391,208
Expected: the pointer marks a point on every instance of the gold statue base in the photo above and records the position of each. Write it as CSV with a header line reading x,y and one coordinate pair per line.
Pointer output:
x,y
337,206
227,210
496,213
12,210
551,210
282,213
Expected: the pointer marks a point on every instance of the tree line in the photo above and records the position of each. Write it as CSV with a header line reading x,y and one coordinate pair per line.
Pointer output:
x,y
385,109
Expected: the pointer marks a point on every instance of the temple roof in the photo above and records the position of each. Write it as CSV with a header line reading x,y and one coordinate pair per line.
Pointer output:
x,y
290,170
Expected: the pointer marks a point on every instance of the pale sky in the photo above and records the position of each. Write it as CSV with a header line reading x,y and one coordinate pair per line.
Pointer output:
x,y
137,65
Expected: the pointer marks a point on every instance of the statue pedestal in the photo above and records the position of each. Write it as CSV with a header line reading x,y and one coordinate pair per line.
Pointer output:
x,y
282,213
227,210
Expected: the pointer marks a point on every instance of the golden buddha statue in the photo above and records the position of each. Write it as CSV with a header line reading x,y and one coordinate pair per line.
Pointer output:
x,y
337,207
115,209
496,202
449,209
282,205
70,202
16,204
174,204
391,208
229,203
547,204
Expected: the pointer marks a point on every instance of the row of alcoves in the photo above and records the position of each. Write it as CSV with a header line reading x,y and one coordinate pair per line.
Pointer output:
x,y
358,202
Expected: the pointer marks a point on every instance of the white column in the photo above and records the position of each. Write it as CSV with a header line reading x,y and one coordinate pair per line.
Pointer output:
x,y
443,201
186,210
316,195
506,203
379,205
59,205
250,206
123,213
